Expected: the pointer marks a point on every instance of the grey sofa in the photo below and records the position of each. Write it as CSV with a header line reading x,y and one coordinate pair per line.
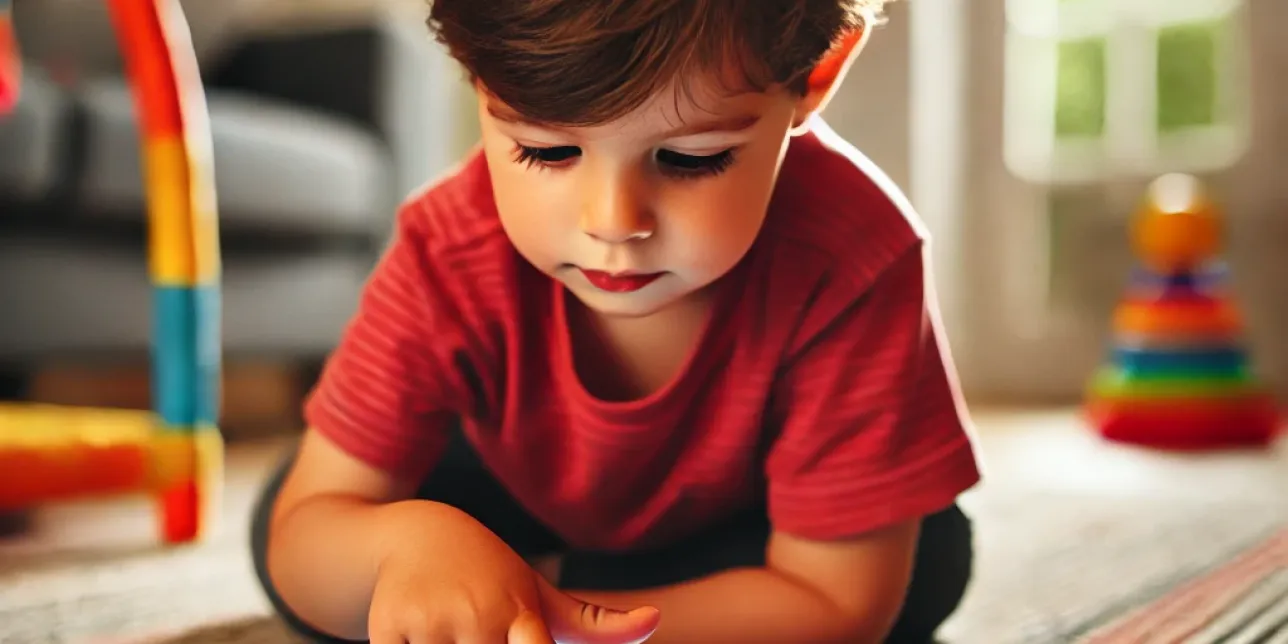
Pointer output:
x,y
318,133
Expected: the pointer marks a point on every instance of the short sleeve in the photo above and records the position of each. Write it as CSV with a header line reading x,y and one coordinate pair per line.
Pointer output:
x,y
873,431
393,386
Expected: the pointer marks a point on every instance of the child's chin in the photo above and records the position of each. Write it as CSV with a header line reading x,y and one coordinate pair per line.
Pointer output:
x,y
638,304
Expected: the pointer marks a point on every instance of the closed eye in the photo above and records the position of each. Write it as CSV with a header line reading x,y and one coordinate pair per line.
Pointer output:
x,y
545,157
670,163
688,166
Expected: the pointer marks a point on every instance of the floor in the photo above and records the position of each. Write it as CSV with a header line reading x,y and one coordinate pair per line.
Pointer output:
x,y
1070,531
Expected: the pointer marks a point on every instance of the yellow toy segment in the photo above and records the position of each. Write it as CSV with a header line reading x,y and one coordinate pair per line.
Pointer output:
x,y
50,426
205,239
209,444
203,206
169,206
186,455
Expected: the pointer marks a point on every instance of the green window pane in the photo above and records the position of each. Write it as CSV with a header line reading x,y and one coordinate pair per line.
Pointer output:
x,y
1187,76
1080,88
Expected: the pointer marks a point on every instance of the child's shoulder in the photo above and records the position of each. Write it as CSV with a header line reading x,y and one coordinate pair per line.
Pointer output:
x,y
834,208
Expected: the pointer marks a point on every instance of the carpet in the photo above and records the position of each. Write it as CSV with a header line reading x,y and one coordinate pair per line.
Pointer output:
x,y
1074,536
1243,601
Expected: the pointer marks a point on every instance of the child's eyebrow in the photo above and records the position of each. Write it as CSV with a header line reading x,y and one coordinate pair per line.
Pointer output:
x,y
736,123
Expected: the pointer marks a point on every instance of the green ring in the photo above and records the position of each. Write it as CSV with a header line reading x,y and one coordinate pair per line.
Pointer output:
x,y
1113,384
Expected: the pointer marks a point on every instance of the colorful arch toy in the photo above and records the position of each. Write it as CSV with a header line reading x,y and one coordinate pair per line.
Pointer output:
x,y
174,452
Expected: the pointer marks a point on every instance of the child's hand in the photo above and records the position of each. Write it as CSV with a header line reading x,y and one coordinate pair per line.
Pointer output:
x,y
481,592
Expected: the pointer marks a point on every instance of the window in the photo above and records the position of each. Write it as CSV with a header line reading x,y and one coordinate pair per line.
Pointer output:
x,y
1100,89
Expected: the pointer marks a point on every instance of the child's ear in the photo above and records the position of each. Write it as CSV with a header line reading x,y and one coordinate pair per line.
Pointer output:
x,y
827,75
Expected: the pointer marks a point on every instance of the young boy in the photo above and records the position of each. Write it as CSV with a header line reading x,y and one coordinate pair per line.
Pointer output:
x,y
659,361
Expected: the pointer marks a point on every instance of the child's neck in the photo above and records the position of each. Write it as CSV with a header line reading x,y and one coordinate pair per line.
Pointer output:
x,y
627,358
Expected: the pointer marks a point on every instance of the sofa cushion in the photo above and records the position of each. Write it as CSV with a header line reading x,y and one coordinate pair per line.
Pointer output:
x,y
32,139
278,168
74,296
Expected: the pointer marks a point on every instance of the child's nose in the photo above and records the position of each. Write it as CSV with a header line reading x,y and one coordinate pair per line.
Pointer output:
x,y
613,215
618,230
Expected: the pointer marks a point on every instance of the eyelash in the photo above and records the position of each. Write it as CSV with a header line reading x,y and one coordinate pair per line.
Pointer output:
x,y
672,164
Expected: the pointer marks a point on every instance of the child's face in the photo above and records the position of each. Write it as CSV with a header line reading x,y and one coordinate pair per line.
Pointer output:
x,y
642,212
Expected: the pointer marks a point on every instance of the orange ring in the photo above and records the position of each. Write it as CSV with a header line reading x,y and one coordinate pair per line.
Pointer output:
x,y
1219,318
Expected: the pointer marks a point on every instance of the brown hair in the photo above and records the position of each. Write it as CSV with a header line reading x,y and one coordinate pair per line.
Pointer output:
x,y
587,62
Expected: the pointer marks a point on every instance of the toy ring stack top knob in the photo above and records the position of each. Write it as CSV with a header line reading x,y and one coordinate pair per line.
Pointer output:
x,y
1178,228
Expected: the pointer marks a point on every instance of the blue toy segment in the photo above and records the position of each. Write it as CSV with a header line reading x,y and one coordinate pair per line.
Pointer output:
x,y
1144,362
185,376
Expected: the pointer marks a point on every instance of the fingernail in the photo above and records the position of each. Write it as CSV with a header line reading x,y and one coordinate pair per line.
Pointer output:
x,y
646,613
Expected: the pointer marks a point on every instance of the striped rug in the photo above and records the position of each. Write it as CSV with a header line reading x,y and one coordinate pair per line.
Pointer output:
x,y
1243,601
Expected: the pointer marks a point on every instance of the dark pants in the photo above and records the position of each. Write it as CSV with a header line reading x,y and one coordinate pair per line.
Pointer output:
x,y
940,576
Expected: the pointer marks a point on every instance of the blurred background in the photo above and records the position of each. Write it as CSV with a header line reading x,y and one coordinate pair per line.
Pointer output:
x,y
323,117
1025,132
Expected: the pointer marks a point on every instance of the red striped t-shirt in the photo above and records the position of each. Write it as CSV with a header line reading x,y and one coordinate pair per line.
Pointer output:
x,y
821,382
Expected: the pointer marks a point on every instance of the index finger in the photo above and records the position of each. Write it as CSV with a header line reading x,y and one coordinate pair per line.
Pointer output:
x,y
529,628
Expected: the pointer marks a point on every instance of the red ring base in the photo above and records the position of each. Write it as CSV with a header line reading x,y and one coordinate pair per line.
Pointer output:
x,y
1187,427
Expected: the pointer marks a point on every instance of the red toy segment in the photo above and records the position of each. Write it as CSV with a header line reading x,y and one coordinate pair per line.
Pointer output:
x,y
10,66
180,512
40,475
1185,426
142,38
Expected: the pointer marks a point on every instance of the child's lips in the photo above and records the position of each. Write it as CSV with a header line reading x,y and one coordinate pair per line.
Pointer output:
x,y
619,282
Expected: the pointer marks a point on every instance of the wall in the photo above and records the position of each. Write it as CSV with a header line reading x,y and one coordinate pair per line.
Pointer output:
x,y
871,109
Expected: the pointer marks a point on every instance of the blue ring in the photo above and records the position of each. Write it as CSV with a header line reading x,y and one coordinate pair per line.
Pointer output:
x,y
1144,362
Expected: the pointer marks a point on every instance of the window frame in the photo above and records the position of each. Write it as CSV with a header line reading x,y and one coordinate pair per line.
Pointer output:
x,y
1130,143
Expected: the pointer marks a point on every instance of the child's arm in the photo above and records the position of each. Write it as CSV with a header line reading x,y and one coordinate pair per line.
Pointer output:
x,y
809,592
329,529
335,519
351,556
380,416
